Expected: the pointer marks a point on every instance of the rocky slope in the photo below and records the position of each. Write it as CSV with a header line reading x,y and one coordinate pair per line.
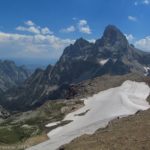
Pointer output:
x,y
130,133
80,61
28,123
99,109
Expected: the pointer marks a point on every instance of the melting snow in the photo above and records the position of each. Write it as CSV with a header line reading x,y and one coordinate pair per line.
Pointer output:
x,y
103,107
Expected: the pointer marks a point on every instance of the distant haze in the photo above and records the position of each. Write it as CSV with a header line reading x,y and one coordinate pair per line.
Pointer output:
x,y
32,63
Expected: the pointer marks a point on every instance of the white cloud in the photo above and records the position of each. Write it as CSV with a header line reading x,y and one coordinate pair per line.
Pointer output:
x,y
86,30
146,2
130,37
82,22
31,29
81,26
92,40
29,23
46,30
132,18
69,29
84,27
140,2
42,44
143,44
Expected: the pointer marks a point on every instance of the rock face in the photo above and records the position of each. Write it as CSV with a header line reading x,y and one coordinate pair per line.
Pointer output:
x,y
3,113
80,61
11,75
111,54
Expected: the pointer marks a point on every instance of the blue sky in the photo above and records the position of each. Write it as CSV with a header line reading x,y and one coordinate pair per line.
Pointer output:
x,y
37,31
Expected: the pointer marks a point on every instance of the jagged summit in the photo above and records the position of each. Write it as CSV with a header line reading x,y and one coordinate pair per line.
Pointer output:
x,y
81,41
112,29
76,49
113,36
113,33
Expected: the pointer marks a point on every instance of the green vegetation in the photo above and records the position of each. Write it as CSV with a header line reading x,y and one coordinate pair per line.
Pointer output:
x,y
14,134
14,131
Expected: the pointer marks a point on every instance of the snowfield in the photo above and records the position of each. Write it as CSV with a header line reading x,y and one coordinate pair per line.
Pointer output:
x,y
52,124
103,61
98,111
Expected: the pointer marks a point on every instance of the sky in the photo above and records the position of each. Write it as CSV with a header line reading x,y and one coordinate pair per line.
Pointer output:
x,y
37,31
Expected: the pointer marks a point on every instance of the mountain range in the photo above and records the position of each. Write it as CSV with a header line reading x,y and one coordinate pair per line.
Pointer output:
x,y
110,55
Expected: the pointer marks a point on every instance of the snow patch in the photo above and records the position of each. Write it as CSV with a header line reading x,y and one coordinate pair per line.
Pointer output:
x,y
52,124
147,70
103,61
103,107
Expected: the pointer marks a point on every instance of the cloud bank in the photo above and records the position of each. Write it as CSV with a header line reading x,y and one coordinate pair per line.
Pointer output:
x,y
80,26
33,41
143,43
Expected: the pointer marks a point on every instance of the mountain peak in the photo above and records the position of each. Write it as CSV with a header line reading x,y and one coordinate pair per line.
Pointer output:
x,y
111,27
81,41
74,49
112,36
111,31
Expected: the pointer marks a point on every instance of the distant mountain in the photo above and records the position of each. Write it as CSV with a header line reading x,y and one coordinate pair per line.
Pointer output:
x,y
80,61
11,75
26,95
